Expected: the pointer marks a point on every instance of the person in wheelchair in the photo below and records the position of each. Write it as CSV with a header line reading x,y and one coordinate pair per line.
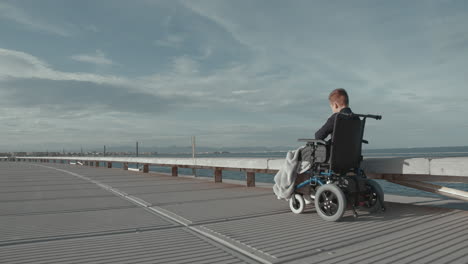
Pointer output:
x,y
339,103
332,178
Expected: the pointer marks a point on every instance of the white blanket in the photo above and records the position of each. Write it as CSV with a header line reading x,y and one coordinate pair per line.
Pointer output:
x,y
286,176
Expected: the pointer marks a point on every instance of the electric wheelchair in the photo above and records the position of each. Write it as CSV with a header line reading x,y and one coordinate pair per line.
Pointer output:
x,y
336,180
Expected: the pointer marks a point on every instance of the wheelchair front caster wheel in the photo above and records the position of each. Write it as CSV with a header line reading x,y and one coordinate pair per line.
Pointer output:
x,y
330,202
297,204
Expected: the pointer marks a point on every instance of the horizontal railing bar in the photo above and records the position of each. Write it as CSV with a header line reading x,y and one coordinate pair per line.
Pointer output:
x,y
428,187
418,177
405,171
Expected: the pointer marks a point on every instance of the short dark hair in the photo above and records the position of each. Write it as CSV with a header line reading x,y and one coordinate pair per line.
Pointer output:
x,y
339,96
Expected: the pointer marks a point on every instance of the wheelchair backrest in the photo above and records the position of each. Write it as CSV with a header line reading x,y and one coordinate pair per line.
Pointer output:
x,y
346,144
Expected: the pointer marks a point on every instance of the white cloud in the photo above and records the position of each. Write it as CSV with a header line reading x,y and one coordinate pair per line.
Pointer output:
x,y
245,91
402,66
19,16
171,41
99,58
20,65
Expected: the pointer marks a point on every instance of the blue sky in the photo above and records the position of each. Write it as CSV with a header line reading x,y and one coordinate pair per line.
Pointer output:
x,y
233,73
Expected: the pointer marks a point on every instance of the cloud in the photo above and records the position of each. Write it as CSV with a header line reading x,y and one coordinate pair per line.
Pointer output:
x,y
171,41
245,91
70,96
20,65
99,58
17,15
232,71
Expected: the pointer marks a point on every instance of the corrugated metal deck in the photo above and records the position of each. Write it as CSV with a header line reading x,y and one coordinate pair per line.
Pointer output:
x,y
55,213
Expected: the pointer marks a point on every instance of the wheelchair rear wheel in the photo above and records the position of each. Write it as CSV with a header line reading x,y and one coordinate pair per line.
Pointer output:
x,y
375,197
297,204
330,202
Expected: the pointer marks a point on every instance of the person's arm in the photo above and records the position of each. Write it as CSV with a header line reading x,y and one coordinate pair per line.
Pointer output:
x,y
326,129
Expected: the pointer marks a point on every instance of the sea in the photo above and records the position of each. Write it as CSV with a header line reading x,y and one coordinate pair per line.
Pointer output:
x,y
389,188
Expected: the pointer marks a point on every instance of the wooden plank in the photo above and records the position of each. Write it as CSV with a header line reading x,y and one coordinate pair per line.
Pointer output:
x,y
175,171
218,175
146,168
109,165
250,179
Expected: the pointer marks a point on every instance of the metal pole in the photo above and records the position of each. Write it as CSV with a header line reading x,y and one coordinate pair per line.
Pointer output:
x,y
194,171
137,165
193,147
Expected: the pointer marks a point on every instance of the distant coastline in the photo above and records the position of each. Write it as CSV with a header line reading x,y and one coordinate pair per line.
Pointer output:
x,y
274,152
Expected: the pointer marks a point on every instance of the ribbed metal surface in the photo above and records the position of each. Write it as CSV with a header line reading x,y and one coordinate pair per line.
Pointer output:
x,y
225,209
40,188
202,195
40,182
225,223
161,246
58,205
44,226
172,188
56,194
404,234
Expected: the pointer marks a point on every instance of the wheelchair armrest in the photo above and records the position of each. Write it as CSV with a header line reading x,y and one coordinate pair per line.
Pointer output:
x,y
309,140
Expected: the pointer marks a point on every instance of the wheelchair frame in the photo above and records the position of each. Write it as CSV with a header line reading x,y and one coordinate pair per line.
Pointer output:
x,y
340,179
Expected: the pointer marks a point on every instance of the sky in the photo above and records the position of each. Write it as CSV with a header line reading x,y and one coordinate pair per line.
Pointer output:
x,y
232,73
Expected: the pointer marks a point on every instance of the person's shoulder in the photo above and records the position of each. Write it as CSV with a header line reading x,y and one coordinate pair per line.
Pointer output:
x,y
346,110
333,116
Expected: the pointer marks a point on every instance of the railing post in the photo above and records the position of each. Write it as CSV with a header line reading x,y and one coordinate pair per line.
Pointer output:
x,y
250,179
218,173
97,163
175,171
146,168
125,165
109,164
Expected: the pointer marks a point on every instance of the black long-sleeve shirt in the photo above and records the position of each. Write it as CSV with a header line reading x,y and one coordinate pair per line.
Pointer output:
x,y
327,128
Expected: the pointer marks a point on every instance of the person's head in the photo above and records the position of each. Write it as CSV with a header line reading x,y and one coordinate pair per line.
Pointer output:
x,y
338,99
